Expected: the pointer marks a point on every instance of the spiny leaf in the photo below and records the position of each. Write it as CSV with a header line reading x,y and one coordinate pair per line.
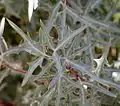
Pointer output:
x,y
31,69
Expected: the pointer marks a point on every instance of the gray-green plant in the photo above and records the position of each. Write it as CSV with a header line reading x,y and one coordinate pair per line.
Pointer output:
x,y
69,68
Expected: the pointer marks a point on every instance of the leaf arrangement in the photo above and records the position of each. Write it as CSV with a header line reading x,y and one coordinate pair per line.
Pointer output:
x,y
71,71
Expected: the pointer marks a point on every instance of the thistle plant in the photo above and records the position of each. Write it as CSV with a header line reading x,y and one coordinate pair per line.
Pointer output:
x,y
70,71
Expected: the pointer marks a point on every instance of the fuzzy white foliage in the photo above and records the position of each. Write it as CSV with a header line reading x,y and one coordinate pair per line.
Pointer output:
x,y
2,41
2,24
32,5
117,64
116,76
